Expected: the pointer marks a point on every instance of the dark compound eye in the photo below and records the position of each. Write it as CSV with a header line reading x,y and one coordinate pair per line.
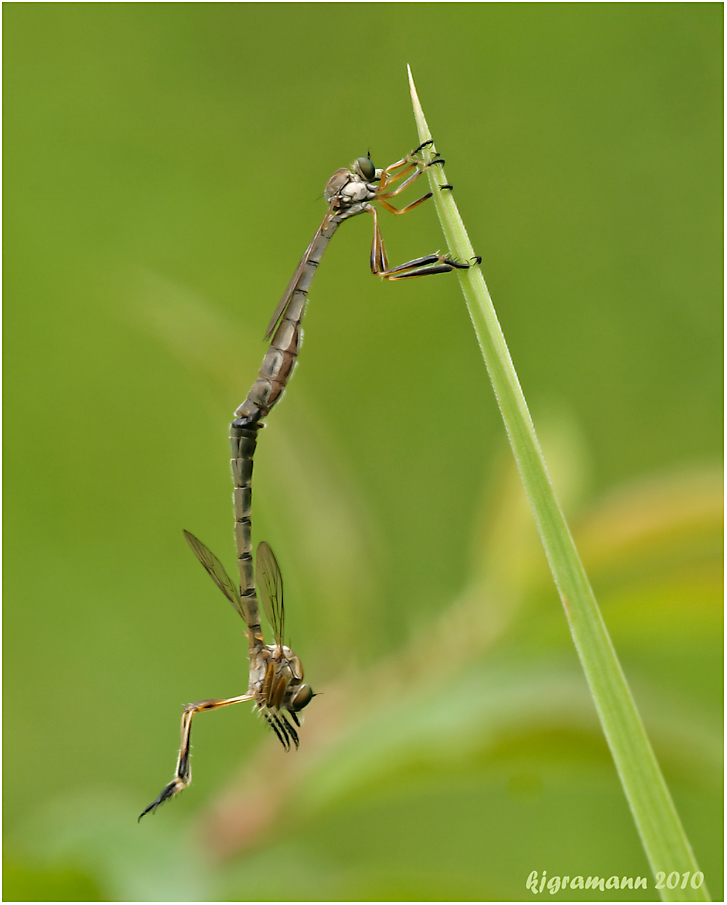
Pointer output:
x,y
303,697
368,170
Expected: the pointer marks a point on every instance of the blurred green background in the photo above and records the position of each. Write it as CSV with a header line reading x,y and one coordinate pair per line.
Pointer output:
x,y
164,165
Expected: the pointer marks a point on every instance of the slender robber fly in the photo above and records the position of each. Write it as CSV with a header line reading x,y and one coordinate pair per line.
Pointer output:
x,y
276,674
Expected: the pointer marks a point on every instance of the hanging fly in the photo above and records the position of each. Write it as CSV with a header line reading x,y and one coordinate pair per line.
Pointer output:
x,y
276,674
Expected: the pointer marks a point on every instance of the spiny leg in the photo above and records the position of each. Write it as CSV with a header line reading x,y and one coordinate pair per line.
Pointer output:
x,y
422,267
272,693
277,728
382,196
410,156
410,161
404,210
385,184
378,261
183,771
291,731
407,182
419,267
281,727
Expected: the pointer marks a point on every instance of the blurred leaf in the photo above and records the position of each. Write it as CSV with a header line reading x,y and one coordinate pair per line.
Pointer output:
x,y
29,883
95,835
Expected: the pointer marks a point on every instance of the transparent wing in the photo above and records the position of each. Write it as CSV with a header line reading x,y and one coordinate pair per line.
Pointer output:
x,y
270,588
216,571
283,303
287,295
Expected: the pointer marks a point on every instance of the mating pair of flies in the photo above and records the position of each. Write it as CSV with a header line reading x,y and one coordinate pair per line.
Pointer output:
x,y
276,674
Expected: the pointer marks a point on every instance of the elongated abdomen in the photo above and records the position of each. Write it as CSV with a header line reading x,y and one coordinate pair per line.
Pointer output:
x,y
277,365
243,440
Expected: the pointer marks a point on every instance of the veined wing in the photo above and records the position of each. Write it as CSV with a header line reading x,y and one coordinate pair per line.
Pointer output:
x,y
284,301
270,588
217,572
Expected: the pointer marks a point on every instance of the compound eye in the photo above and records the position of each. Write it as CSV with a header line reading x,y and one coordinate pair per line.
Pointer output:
x,y
302,698
366,168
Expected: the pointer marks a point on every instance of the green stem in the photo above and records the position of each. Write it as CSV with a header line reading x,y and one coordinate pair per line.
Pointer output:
x,y
666,845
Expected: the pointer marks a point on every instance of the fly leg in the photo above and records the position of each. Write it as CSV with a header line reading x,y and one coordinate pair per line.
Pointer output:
x,y
419,267
405,165
411,162
183,771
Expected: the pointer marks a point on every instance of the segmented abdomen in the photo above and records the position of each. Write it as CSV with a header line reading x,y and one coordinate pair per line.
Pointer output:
x,y
243,440
278,364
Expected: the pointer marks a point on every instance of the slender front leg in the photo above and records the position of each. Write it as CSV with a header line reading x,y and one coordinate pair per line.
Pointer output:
x,y
183,771
409,162
384,191
407,182
405,210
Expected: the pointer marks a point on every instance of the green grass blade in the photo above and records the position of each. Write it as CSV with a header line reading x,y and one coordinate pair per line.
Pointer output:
x,y
666,845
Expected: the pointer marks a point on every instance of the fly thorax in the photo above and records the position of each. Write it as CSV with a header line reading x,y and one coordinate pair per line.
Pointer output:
x,y
355,192
288,662
296,666
336,183
258,670
348,193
